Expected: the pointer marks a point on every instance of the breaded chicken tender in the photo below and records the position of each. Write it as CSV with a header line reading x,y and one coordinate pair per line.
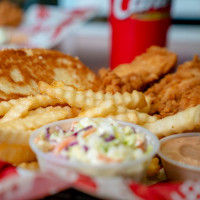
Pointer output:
x,y
142,71
178,91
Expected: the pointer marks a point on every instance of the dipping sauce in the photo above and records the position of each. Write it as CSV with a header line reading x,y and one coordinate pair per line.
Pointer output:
x,y
183,149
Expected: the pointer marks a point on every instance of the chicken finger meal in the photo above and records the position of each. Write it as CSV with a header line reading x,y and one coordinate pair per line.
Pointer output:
x,y
57,114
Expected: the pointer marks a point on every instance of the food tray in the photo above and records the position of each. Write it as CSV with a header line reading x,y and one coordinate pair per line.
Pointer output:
x,y
20,184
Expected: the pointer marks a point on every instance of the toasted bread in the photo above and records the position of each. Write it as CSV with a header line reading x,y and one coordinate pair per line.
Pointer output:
x,y
22,69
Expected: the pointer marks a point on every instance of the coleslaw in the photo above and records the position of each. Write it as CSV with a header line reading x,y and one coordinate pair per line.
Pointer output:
x,y
94,141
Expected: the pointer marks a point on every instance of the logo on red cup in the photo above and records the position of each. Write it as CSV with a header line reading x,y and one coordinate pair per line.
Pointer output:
x,y
137,25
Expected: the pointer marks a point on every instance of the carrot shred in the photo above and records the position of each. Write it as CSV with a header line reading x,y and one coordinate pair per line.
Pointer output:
x,y
64,143
36,139
72,125
88,132
107,159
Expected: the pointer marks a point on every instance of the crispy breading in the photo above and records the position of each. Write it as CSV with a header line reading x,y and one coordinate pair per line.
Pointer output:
x,y
156,61
113,83
22,69
10,14
142,71
177,91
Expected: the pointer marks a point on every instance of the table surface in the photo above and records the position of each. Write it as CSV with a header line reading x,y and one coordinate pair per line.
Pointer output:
x,y
70,194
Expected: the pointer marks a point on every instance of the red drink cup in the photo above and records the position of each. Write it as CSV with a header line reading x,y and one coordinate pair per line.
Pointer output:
x,y
137,25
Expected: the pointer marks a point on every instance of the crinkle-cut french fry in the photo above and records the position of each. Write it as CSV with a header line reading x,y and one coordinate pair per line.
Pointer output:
x,y
29,165
42,110
145,118
16,154
153,168
130,100
43,101
121,109
128,117
14,136
104,108
38,101
132,115
72,111
183,121
47,109
87,99
75,111
71,97
36,121
147,108
58,84
5,106
18,110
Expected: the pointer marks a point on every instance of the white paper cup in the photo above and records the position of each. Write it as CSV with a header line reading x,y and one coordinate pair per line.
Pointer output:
x,y
134,169
177,171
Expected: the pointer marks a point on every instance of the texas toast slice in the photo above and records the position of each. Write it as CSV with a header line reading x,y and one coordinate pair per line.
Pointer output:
x,y
22,69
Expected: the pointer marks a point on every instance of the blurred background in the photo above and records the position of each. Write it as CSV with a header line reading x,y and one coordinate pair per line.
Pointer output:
x,y
90,41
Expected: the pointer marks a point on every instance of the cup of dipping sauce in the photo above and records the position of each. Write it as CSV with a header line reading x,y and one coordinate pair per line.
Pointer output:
x,y
180,156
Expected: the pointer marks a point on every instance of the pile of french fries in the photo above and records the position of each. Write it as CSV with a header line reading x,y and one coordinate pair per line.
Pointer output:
x,y
59,101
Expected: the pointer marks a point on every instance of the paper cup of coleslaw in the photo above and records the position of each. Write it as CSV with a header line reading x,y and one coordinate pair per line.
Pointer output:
x,y
95,147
